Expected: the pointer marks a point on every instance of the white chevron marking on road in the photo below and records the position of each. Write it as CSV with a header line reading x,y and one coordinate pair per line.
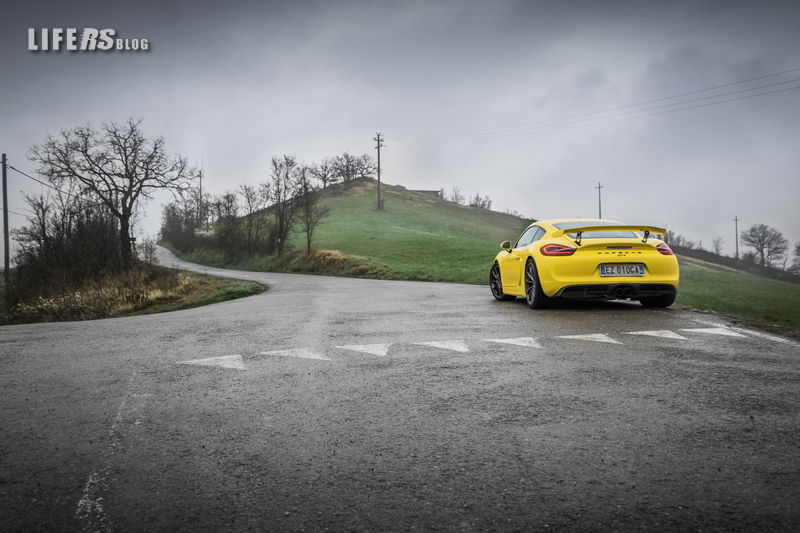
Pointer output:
x,y
302,353
594,337
372,349
763,335
455,345
664,333
715,331
529,342
225,361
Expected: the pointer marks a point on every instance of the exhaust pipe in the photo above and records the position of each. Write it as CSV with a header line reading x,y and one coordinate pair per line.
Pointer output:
x,y
623,292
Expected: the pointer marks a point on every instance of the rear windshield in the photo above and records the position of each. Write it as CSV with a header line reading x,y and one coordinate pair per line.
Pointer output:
x,y
596,234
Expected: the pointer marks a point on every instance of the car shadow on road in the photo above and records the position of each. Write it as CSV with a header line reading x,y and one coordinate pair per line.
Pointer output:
x,y
591,305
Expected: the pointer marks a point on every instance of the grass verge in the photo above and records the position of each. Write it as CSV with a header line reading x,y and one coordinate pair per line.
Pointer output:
x,y
146,289
753,300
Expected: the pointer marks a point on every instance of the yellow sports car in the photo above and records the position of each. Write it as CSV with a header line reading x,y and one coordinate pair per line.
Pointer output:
x,y
586,259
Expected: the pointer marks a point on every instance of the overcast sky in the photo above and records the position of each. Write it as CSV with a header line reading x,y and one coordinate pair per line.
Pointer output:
x,y
498,98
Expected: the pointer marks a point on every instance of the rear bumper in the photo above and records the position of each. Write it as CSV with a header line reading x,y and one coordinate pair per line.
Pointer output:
x,y
607,291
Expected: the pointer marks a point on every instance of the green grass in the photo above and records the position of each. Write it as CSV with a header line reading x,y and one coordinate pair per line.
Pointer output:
x,y
419,237
776,304
204,290
415,237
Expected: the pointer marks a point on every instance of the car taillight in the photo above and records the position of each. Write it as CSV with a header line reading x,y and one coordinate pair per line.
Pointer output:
x,y
664,249
556,249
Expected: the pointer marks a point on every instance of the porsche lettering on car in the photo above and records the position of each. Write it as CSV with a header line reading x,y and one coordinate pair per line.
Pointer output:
x,y
586,259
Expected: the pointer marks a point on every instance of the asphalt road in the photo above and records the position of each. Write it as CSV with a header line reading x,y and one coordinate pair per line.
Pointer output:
x,y
250,416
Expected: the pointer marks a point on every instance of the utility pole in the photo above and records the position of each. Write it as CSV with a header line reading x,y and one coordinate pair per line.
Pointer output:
x,y
6,272
599,202
378,139
736,222
200,217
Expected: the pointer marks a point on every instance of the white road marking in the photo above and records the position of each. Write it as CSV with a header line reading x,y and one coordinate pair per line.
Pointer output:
x,y
89,512
529,342
372,349
664,333
714,331
455,345
302,353
225,361
769,336
594,337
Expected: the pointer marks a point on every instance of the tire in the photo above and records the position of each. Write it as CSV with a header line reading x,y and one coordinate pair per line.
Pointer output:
x,y
534,296
665,300
496,285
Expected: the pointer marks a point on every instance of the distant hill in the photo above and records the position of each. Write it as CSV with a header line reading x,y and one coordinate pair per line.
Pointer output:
x,y
416,236
704,258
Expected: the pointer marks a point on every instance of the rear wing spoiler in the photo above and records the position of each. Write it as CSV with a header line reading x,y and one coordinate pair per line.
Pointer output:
x,y
645,230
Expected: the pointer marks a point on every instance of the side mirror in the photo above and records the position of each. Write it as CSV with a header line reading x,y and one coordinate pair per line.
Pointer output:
x,y
506,245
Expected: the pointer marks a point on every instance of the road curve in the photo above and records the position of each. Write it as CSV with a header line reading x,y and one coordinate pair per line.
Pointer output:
x,y
332,403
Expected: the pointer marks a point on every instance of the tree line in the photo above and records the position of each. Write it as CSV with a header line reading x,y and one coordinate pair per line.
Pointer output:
x,y
768,247
457,197
259,219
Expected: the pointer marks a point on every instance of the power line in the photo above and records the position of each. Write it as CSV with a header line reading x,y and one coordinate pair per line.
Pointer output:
x,y
12,212
78,197
606,120
504,130
643,113
41,182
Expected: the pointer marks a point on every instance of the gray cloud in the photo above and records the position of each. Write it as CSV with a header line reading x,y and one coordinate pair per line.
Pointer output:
x,y
448,83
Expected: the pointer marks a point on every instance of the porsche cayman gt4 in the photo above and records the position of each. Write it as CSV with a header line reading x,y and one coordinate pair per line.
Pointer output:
x,y
586,259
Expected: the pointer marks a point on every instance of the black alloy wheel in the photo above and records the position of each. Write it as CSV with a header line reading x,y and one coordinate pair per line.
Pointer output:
x,y
496,285
534,296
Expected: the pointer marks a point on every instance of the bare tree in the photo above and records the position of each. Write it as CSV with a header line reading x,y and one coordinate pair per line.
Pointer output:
x,y
483,202
310,213
365,166
117,164
67,239
253,201
325,171
283,187
457,196
769,244
676,239
345,168
717,243
148,252
795,266
228,224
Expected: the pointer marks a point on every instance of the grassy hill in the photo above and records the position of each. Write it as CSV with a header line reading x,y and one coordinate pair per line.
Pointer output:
x,y
419,236
416,236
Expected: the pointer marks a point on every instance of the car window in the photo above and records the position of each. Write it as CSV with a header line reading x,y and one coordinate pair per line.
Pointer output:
x,y
528,236
525,237
538,235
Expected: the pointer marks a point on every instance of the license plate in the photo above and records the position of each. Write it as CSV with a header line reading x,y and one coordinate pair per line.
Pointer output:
x,y
622,270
